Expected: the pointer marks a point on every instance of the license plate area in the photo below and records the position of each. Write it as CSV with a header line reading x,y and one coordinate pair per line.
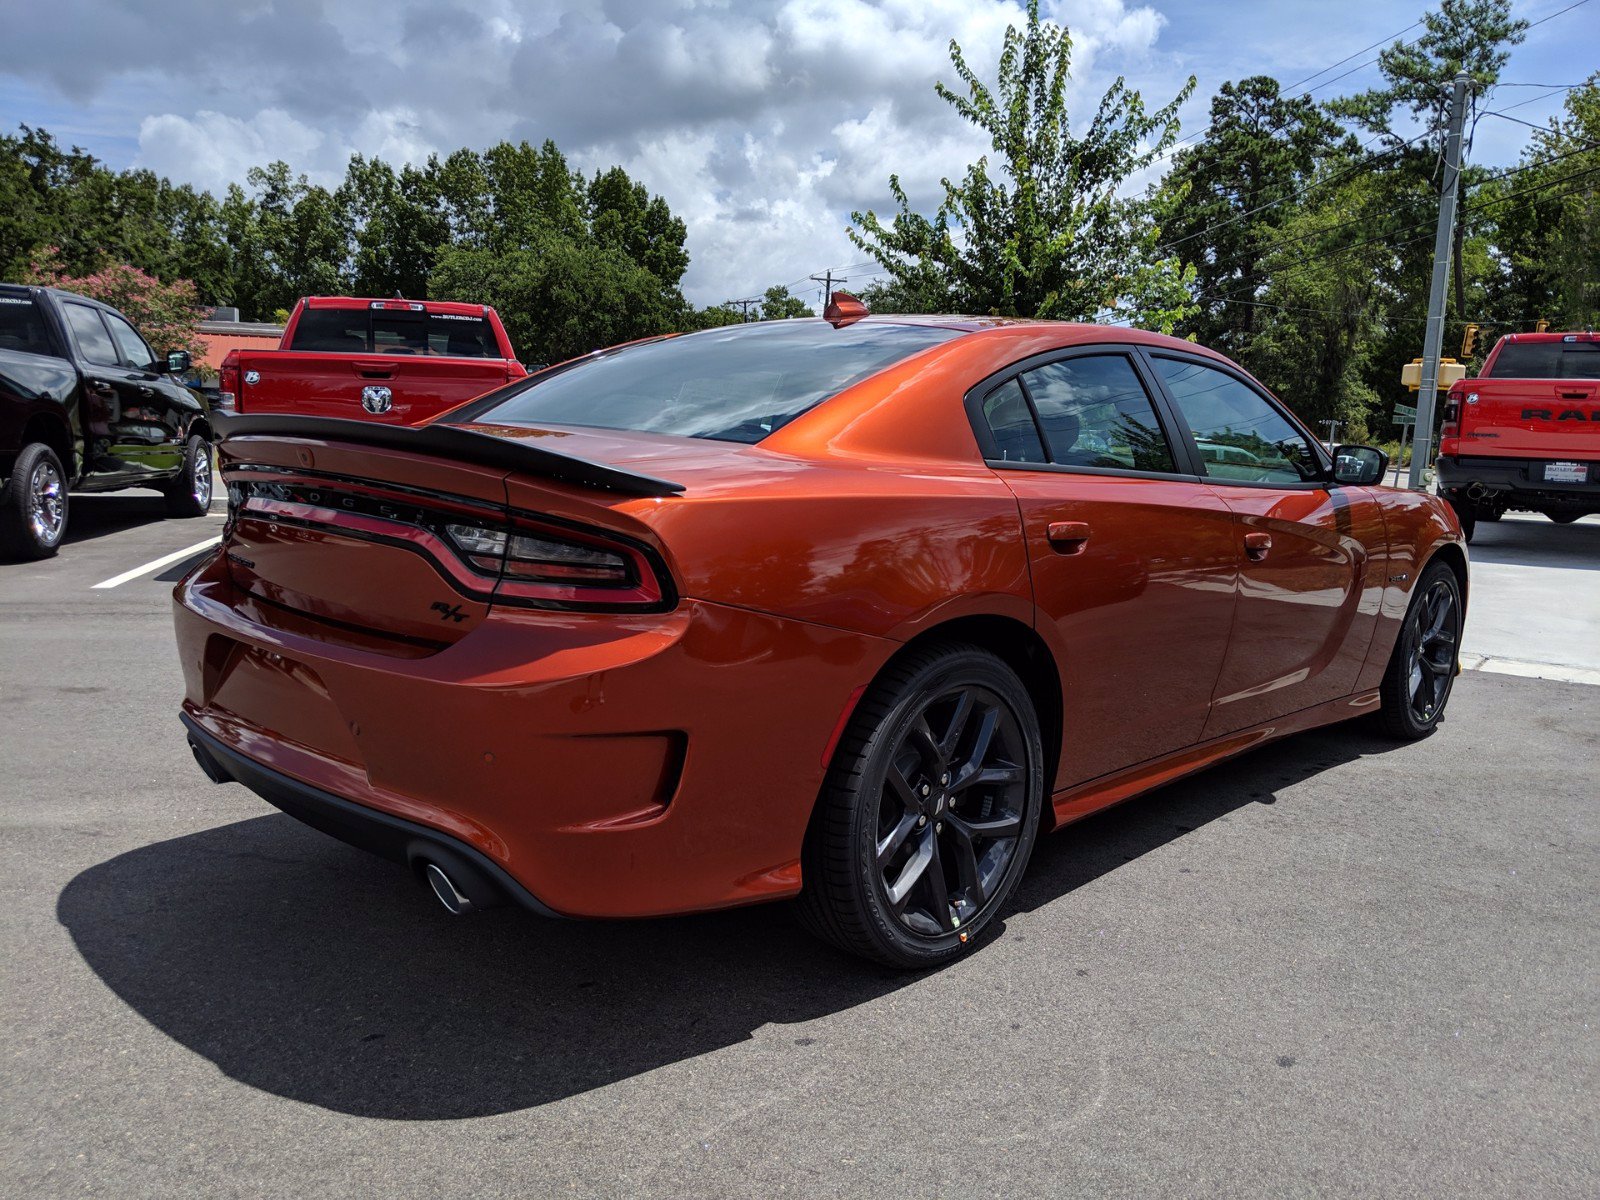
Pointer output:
x,y
1566,472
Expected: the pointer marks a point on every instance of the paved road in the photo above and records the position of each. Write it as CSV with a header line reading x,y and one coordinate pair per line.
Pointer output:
x,y
1334,966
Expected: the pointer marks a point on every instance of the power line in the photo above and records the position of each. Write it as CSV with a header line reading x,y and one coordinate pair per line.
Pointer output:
x,y
1544,129
1380,42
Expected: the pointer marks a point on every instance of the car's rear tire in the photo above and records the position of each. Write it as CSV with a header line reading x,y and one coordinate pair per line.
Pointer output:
x,y
1422,669
189,492
1564,518
929,811
33,505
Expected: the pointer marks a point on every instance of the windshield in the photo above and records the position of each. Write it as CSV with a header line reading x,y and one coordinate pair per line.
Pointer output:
x,y
735,384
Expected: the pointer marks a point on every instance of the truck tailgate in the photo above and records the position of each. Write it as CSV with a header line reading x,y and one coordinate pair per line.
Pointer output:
x,y
398,389
1532,418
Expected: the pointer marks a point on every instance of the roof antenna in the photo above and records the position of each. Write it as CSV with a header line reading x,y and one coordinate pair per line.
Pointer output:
x,y
844,309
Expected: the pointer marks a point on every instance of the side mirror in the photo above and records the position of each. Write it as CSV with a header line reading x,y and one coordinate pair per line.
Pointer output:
x,y
1361,466
178,361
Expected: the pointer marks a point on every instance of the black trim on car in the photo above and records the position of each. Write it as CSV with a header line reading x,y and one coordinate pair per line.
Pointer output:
x,y
355,824
449,442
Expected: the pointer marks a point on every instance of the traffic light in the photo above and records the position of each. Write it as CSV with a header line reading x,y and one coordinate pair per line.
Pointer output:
x,y
1541,326
1469,342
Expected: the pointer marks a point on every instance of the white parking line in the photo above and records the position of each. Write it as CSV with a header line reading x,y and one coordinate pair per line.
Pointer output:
x,y
1530,670
164,560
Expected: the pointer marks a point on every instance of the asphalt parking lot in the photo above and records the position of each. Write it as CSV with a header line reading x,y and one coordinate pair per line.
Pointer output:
x,y
1337,965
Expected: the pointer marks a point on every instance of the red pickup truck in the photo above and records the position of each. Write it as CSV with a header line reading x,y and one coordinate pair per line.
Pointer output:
x,y
394,361
1525,434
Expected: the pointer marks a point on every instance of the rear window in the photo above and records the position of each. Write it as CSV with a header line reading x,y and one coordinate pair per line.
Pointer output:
x,y
1547,360
736,384
372,331
22,326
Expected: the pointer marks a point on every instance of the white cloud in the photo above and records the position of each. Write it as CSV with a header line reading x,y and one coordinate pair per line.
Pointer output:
x,y
762,122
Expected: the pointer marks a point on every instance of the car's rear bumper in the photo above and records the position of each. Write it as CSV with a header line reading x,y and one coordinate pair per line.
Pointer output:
x,y
1520,480
369,829
611,766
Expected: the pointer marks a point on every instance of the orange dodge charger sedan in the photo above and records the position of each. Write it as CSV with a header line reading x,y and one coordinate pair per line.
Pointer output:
x,y
845,609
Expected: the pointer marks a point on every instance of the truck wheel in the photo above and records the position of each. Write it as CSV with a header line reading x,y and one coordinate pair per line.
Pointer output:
x,y
33,505
1566,518
1490,514
1468,516
189,494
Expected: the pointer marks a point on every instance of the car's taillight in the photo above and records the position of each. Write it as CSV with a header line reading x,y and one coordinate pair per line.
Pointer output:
x,y
541,565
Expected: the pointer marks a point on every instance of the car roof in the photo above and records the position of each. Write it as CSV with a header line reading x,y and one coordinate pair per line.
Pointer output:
x,y
1069,332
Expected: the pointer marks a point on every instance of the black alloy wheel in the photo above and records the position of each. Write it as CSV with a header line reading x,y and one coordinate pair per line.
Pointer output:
x,y
1422,670
930,811
951,809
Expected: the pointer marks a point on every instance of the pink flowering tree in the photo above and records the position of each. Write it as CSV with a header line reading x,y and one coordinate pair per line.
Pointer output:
x,y
166,313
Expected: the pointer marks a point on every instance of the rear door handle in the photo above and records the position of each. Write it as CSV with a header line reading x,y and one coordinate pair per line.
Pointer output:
x,y
1574,395
1256,546
1068,537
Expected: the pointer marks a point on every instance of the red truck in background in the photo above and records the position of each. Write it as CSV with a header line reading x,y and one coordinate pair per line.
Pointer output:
x,y
394,361
1525,434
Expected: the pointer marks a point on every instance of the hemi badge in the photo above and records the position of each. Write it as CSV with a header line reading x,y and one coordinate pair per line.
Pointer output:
x,y
1399,578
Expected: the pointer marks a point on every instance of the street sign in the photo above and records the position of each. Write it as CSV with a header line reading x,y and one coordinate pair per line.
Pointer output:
x,y
1405,419
1405,410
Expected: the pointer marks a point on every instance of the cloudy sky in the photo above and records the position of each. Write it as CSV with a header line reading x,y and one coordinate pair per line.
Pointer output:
x,y
763,122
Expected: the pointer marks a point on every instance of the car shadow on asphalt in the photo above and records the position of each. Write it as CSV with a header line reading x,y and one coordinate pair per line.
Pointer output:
x,y
315,972
1536,542
90,517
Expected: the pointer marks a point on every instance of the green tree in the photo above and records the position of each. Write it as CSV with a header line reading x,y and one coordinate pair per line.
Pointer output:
x,y
1543,219
1051,237
624,216
1230,196
561,298
778,305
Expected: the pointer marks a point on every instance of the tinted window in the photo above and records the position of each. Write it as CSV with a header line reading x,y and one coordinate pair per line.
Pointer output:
x,y
133,349
396,333
94,343
1239,434
736,384
1547,360
22,326
332,330
1096,413
1010,421
461,337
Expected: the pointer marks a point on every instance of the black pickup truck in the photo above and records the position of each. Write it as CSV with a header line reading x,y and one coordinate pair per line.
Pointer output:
x,y
85,406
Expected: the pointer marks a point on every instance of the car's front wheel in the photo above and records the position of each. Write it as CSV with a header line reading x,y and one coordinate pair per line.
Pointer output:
x,y
1416,685
929,812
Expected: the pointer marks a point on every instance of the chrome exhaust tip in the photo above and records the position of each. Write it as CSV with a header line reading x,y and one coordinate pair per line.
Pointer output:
x,y
454,901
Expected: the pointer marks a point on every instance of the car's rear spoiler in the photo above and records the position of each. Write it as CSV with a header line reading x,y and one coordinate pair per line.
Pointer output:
x,y
447,441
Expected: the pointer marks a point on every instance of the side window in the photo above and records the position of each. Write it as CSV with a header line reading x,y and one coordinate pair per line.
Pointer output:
x,y
133,348
1238,433
1096,413
93,341
1011,422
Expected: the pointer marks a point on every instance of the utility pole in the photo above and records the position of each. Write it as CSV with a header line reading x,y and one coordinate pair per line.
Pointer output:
x,y
744,305
827,279
1433,342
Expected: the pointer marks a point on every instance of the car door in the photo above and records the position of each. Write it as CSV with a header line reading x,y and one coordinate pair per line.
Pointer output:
x,y
154,421
1133,557
1308,601
105,379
